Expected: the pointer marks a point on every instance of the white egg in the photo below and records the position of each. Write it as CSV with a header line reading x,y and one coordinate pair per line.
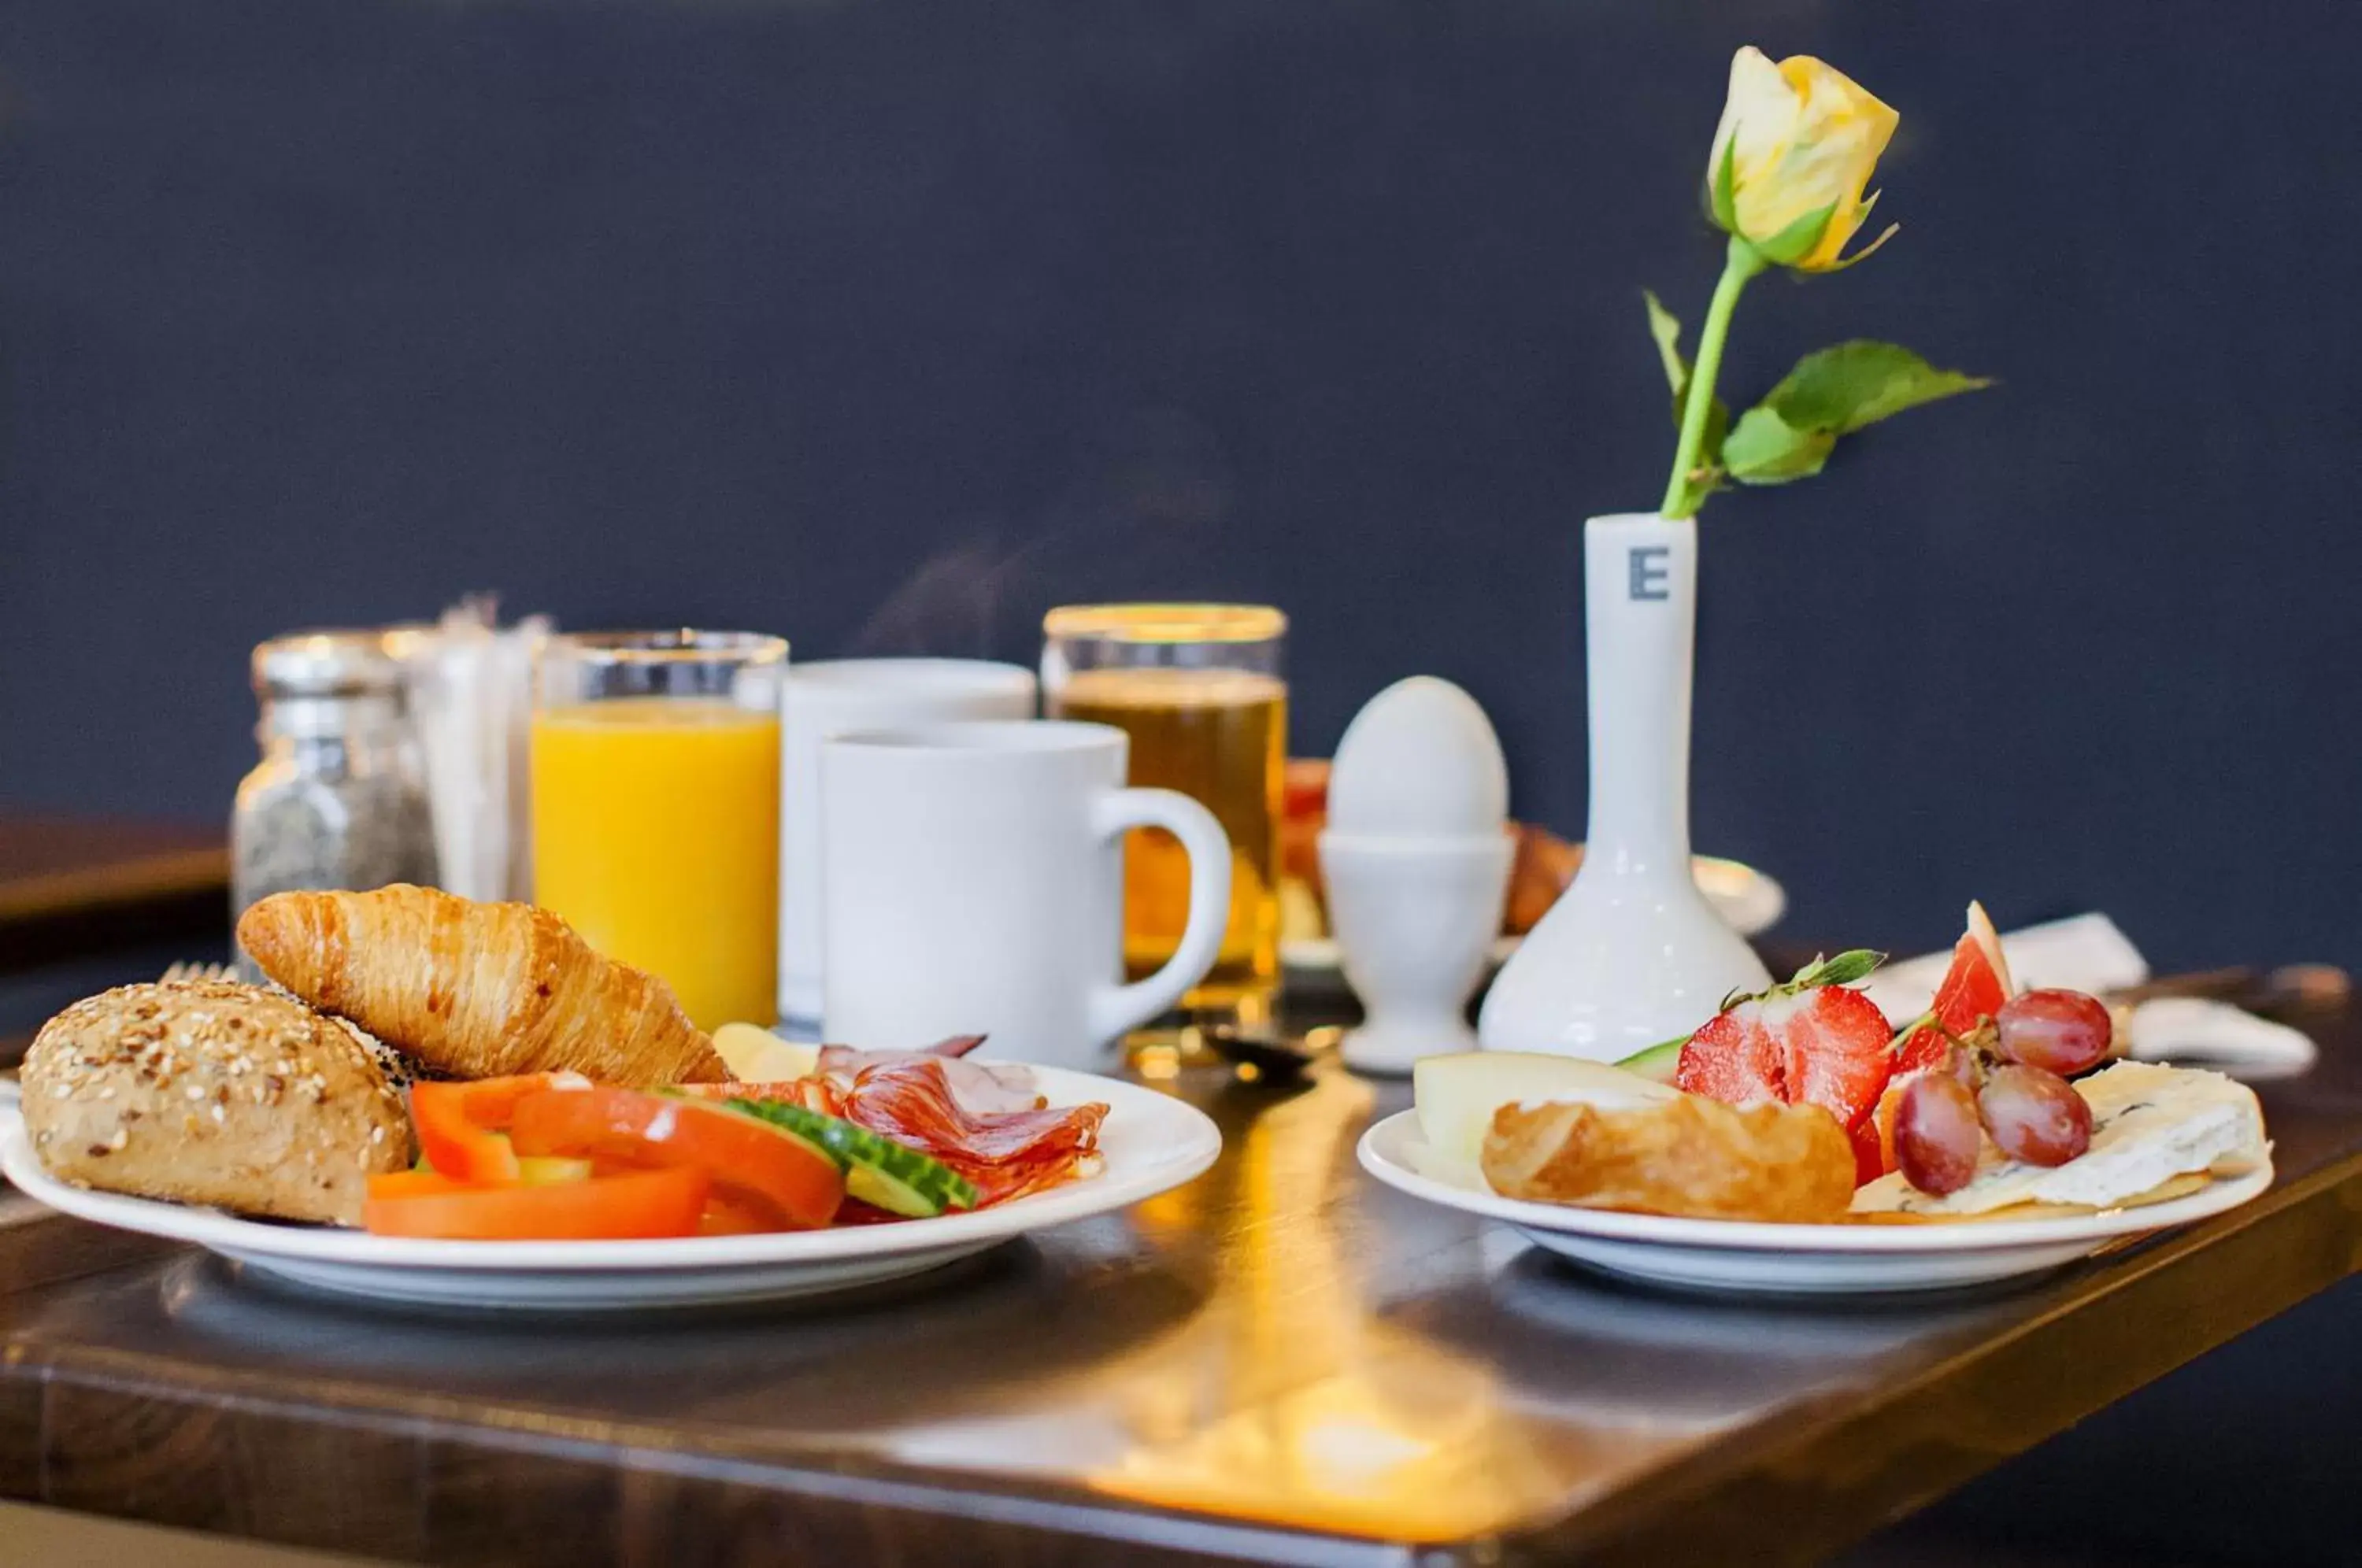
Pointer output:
x,y
1419,760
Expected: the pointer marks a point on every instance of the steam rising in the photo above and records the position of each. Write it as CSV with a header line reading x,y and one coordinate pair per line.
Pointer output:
x,y
1131,521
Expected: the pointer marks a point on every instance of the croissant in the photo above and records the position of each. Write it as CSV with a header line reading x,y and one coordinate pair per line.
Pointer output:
x,y
1688,1156
479,990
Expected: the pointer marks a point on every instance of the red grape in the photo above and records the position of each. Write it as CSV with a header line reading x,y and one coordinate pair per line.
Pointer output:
x,y
2057,1031
2035,1116
1936,1135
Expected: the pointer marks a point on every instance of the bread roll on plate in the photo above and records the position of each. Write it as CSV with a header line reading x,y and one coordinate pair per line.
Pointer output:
x,y
212,1092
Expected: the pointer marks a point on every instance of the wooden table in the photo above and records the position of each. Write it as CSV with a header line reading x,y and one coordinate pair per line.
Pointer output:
x,y
1282,1362
69,885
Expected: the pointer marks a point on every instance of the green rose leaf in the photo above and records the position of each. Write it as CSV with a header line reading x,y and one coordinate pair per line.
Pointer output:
x,y
1833,392
1763,449
1665,328
1843,387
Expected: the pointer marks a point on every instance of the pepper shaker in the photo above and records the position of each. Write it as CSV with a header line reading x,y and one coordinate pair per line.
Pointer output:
x,y
339,799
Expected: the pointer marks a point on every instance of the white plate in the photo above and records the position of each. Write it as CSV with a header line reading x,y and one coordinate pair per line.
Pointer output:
x,y
1750,900
1150,1142
1793,1260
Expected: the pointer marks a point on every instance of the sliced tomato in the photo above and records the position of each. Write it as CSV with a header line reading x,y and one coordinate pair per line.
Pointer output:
x,y
648,1203
752,1163
492,1101
724,1217
414,1183
461,1125
454,1143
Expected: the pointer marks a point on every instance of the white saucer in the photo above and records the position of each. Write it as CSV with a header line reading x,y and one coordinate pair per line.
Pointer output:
x,y
1751,901
1151,1142
1729,1256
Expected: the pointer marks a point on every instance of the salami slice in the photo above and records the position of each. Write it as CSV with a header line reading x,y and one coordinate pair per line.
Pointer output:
x,y
1006,1154
980,1087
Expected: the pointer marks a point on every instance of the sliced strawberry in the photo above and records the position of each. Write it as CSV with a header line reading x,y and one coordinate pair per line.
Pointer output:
x,y
1735,1059
1872,1142
1837,1044
1824,1045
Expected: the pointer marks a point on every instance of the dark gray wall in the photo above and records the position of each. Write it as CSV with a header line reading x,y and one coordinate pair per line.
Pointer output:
x,y
885,324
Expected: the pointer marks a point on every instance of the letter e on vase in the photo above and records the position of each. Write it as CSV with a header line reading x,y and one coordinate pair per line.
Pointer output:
x,y
1649,573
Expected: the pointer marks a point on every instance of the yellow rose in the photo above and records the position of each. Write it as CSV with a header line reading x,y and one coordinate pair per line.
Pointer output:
x,y
1796,145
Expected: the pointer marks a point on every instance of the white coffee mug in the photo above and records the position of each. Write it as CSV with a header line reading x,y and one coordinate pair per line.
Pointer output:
x,y
973,884
831,697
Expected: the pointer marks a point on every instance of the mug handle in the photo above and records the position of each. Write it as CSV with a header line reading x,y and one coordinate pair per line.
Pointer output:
x,y
1114,1010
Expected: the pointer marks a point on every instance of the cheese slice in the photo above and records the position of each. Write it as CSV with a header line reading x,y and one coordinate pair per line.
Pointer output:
x,y
2164,1192
2150,1123
755,1055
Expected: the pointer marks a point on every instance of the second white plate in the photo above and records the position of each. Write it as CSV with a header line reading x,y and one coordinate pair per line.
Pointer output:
x,y
1729,1256
1150,1142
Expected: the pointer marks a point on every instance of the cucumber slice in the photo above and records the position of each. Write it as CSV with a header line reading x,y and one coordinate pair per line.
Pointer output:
x,y
760,1112
893,1176
874,1186
1659,1062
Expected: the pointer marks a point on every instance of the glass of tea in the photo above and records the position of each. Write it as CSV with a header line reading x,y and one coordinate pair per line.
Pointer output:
x,y
1197,688
656,807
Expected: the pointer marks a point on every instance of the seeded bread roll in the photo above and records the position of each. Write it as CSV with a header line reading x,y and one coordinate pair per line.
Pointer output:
x,y
207,1091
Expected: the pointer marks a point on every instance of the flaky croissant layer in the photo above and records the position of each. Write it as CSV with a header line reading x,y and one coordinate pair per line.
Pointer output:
x,y
476,990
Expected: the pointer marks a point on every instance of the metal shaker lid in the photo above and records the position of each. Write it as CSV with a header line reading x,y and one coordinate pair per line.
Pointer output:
x,y
327,664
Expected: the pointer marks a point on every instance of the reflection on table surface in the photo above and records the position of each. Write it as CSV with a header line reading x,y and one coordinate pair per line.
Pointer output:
x,y
1281,1342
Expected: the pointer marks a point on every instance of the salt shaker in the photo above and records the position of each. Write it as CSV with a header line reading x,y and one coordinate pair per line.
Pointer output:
x,y
1416,860
337,799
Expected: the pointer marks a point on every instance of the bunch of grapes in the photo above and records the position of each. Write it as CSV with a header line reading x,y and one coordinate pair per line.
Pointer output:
x,y
2009,1080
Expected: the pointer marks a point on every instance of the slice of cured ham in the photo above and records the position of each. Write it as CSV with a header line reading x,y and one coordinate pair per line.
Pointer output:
x,y
1006,1154
981,1087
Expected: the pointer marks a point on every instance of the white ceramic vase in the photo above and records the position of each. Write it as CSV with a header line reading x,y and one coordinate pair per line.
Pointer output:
x,y
1632,954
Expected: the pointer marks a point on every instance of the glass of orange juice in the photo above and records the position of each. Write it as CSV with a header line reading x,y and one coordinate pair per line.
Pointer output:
x,y
656,807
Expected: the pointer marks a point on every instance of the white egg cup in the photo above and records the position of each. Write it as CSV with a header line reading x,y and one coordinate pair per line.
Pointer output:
x,y
1414,921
